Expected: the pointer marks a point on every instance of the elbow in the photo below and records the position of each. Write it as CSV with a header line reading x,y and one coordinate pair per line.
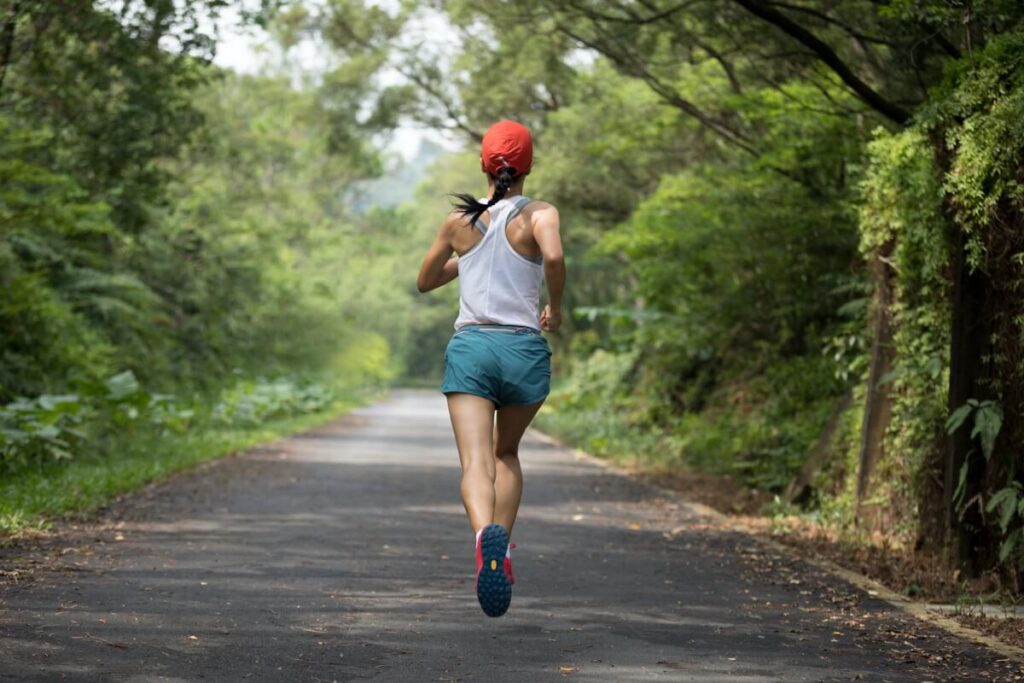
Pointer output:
x,y
424,284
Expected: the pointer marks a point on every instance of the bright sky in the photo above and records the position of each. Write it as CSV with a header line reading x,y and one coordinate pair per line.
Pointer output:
x,y
246,49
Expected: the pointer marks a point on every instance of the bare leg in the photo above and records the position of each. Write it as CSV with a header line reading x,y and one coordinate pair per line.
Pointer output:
x,y
473,421
508,483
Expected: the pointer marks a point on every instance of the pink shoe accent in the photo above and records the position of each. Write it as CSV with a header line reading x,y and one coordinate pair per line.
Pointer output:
x,y
479,557
507,566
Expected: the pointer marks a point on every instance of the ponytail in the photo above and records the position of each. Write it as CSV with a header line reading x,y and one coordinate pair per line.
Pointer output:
x,y
469,206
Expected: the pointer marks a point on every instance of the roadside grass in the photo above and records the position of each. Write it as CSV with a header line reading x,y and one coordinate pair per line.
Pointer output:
x,y
604,434
30,498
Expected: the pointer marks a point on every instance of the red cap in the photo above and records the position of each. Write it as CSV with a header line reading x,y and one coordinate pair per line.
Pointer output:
x,y
507,143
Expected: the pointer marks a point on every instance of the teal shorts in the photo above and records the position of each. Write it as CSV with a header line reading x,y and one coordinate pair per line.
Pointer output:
x,y
510,366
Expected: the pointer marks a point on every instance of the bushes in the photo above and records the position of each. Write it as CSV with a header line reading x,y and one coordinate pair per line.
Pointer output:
x,y
901,206
40,430
741,274
252,403
758,430
46,430
596,409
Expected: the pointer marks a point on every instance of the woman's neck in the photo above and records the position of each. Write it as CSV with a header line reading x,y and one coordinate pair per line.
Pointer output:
x,y
516,188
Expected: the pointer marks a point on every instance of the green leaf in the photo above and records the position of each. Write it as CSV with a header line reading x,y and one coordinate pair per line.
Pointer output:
x,y
121,385
958,417
1010,544
988,420
64,402
1007,500
961,487
999,497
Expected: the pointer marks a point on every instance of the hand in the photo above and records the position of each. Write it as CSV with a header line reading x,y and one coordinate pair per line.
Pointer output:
x,y
550,320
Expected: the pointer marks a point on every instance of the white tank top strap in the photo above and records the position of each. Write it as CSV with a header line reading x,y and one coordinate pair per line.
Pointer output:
x,y
510,207
518,204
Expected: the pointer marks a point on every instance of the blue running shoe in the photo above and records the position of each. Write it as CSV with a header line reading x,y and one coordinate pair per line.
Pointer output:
x,y
493,587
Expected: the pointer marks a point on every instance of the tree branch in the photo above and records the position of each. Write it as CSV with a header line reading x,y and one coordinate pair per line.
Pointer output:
x,y
832,20
667,93
827,56
455,116
633,18
943,42
727,67
673,98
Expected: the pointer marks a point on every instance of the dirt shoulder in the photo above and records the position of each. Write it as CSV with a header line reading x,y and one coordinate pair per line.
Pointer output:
x,y
916,576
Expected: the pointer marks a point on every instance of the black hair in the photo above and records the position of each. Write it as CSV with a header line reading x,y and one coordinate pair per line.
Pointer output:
x,y
468,205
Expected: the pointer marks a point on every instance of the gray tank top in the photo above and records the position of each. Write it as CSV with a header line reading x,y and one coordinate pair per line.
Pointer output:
x,y
497,284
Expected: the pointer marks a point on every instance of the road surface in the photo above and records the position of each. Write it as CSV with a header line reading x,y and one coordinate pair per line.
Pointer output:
x,y
343,554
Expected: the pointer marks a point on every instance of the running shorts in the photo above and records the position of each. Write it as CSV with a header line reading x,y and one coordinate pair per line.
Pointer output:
x,y
510,366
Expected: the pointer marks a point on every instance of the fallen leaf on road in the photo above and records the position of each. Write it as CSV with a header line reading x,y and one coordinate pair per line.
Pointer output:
x,y
89,636
567,669
193,637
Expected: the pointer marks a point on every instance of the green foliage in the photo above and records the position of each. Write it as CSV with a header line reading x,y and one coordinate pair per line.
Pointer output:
x,y
127,459
44,429
241,242
48,428
983,118
166,231
1008,502
759,430
901,215
595,408
988,420
714,240
977,123
252,403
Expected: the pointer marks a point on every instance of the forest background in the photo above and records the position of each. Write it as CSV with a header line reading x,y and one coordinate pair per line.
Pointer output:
x,y
793,231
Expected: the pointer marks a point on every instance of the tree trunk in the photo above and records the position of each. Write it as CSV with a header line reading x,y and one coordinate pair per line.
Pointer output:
x,y
965,367
878,403
7,29
800,489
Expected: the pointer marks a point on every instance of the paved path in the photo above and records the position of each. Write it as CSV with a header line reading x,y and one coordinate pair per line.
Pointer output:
x,y
343,554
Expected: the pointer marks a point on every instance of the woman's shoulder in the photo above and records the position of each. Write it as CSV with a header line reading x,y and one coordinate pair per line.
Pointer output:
x,y
455,220
539,210
539,204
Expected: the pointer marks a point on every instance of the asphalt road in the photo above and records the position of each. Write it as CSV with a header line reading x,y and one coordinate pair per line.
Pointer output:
x,y
343,554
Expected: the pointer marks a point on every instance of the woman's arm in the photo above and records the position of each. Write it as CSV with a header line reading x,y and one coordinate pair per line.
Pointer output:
x,y
439,266
546,231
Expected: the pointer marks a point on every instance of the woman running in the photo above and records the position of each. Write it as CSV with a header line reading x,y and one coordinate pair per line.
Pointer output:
x,y
497,365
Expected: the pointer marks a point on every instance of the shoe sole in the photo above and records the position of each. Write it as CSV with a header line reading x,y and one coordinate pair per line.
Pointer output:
x,y
493,589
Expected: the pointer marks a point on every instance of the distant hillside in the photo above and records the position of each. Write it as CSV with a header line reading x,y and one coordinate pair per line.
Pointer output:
x,y
396,186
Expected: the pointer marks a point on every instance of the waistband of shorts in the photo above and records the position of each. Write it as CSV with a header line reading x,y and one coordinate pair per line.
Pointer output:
x,y
507,329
